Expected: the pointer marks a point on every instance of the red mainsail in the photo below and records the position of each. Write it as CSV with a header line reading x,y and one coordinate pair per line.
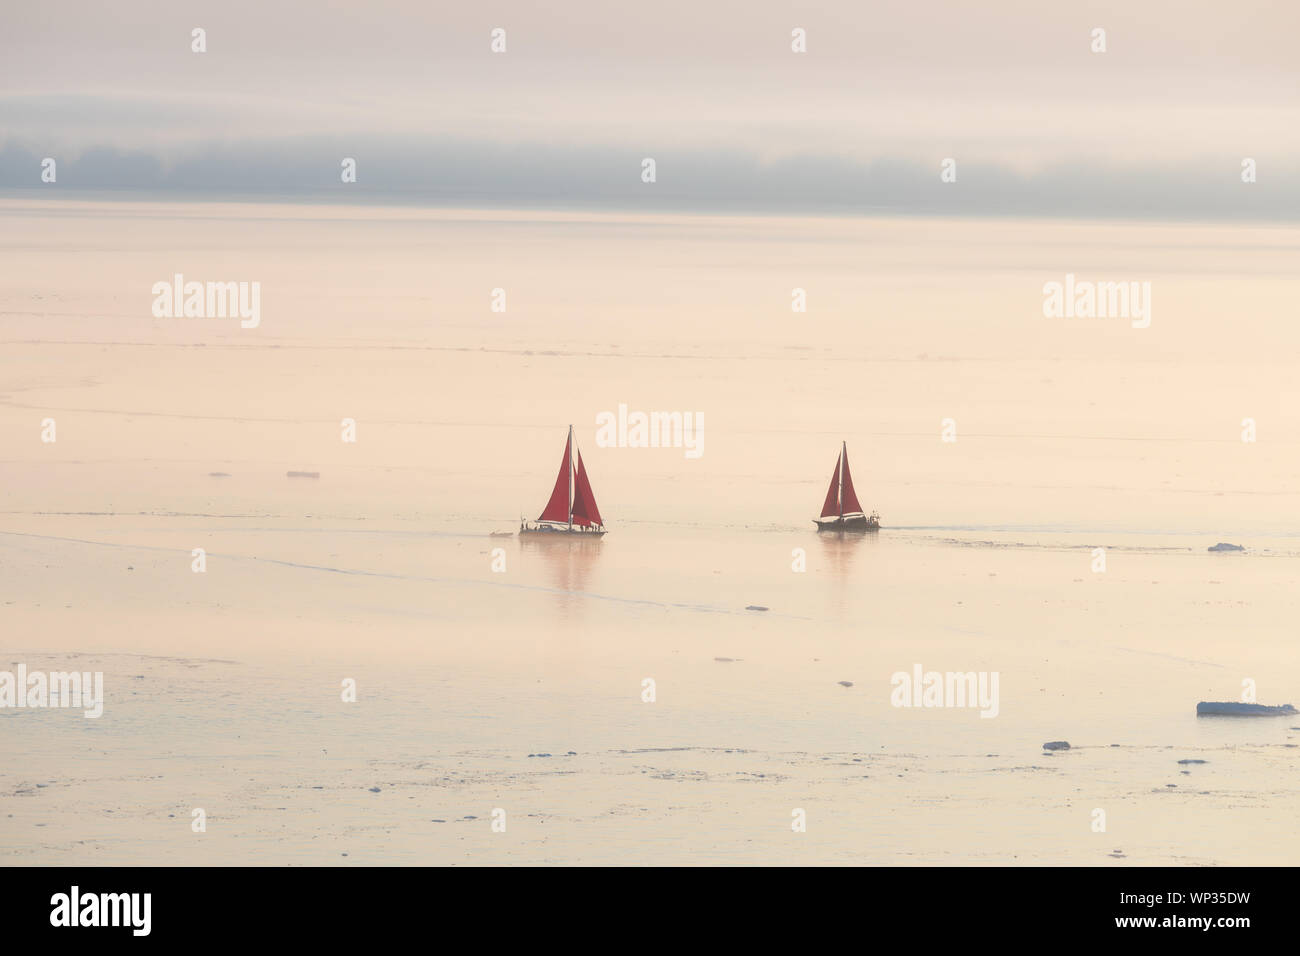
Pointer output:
x,y
848,497
585,512
832,504
841,499
557,509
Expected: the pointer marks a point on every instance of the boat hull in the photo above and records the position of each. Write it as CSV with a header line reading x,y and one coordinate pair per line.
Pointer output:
x,y
855,523
543,531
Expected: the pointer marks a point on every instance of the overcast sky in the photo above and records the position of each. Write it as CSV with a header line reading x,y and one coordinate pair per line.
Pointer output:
x,y
1157,125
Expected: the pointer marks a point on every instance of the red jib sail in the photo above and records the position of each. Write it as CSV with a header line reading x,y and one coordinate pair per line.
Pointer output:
x,y
848,497
832,505
585,512
557,509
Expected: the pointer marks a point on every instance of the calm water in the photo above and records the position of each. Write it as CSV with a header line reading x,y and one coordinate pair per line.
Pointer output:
x,y
1071,435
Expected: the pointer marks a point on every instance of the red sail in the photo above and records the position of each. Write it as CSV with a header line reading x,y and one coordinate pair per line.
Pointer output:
x,y
849,497
585,512
832,505
557,509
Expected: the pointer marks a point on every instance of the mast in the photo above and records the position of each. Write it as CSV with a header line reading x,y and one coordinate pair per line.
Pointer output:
x,y
844,447
570,477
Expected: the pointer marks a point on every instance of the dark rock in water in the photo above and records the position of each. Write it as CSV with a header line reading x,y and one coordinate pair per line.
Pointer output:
x,y
1231,708
1191,761
1057,745
846,683
374,789
1224,546
756,607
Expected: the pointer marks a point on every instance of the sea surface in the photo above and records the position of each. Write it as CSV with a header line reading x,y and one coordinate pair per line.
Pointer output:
x,y
1058,540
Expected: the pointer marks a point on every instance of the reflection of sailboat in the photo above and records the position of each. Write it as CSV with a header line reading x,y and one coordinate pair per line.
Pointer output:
x,y
572,508
839,553
841,511
568,561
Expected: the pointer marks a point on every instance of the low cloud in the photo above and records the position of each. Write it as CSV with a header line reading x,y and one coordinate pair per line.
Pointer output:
x,y
480,174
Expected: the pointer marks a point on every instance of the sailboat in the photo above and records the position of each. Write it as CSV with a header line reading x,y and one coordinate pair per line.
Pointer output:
x,y
572,508
841,511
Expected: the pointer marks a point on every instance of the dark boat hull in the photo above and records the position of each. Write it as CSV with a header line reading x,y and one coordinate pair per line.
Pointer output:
x,y
858,523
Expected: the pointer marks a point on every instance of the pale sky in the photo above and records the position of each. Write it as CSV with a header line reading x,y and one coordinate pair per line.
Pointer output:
x,y
1037,122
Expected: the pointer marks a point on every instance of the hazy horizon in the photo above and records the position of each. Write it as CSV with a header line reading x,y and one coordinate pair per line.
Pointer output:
x,y
1156,126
